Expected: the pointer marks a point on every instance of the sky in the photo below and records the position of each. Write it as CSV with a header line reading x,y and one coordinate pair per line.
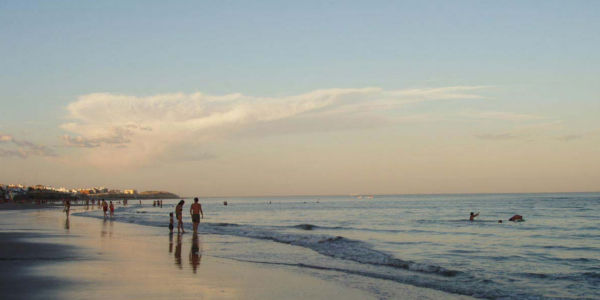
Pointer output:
x,y
237,98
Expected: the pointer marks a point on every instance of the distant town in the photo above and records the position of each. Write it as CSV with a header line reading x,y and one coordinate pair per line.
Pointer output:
x,y
37,192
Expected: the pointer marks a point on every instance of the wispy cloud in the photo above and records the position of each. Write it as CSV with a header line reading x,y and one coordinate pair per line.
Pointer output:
x,y
500,115
496,136
130,130
13,147
569,137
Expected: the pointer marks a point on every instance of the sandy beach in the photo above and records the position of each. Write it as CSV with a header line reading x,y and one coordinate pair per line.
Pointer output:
x,y
44,256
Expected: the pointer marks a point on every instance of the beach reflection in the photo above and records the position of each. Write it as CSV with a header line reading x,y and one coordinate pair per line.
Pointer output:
x,y
178,251
67,224
107,228
195,253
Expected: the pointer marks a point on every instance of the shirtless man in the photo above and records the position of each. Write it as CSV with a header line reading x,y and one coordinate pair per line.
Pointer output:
x,y
179,216
472,216
196,211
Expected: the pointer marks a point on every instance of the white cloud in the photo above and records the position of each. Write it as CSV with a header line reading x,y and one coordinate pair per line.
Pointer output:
x,y
133,131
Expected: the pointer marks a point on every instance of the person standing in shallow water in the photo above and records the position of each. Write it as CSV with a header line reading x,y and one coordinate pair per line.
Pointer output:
x,y
112,209
196,211
104,207
179,215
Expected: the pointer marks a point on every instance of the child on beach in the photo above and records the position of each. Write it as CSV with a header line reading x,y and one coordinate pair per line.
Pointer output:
x,y
171,222
112,209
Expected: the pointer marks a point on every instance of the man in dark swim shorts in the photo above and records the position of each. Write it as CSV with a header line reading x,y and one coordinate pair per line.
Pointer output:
x,y
196,211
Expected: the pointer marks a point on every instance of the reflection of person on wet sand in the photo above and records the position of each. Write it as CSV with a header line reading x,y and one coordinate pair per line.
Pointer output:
x,y
107,229
171,242
103,232
195,254
67,223
178,251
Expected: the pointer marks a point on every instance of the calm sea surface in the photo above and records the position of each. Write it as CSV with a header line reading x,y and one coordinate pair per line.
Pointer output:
x,y
421,240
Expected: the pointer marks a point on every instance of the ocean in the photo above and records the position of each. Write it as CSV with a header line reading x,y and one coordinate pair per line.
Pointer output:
x,y
421,240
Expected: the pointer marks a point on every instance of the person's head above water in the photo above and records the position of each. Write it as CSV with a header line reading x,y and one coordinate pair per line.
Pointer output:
x,y
196,200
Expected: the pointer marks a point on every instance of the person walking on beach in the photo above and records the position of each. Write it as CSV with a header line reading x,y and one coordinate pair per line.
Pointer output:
x,y
179,215
196,211
112,209
67,207
104,207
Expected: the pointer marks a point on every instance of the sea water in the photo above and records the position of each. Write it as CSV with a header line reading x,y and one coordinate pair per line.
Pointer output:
x,y
422,240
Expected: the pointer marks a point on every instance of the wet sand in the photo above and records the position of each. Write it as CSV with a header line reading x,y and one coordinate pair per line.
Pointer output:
x,y
44,256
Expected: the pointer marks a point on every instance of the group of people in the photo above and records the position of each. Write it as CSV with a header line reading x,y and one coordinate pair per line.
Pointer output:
x,y
515,218
195,211
106,207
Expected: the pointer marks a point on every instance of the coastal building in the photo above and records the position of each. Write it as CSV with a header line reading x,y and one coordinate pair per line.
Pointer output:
x,y
130,192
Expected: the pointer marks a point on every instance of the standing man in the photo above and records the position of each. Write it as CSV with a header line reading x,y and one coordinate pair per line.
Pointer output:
x,y
196,211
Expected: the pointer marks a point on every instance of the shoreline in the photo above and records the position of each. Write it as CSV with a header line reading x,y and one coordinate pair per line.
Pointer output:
x,y
114,259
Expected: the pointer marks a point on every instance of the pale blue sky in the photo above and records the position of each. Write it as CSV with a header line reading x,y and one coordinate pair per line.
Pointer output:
x,y
536,57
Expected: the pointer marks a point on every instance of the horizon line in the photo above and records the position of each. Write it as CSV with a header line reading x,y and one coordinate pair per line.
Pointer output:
x,y
388,194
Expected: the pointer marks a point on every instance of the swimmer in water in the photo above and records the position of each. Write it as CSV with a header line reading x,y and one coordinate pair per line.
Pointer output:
x,y
516,218
472,216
